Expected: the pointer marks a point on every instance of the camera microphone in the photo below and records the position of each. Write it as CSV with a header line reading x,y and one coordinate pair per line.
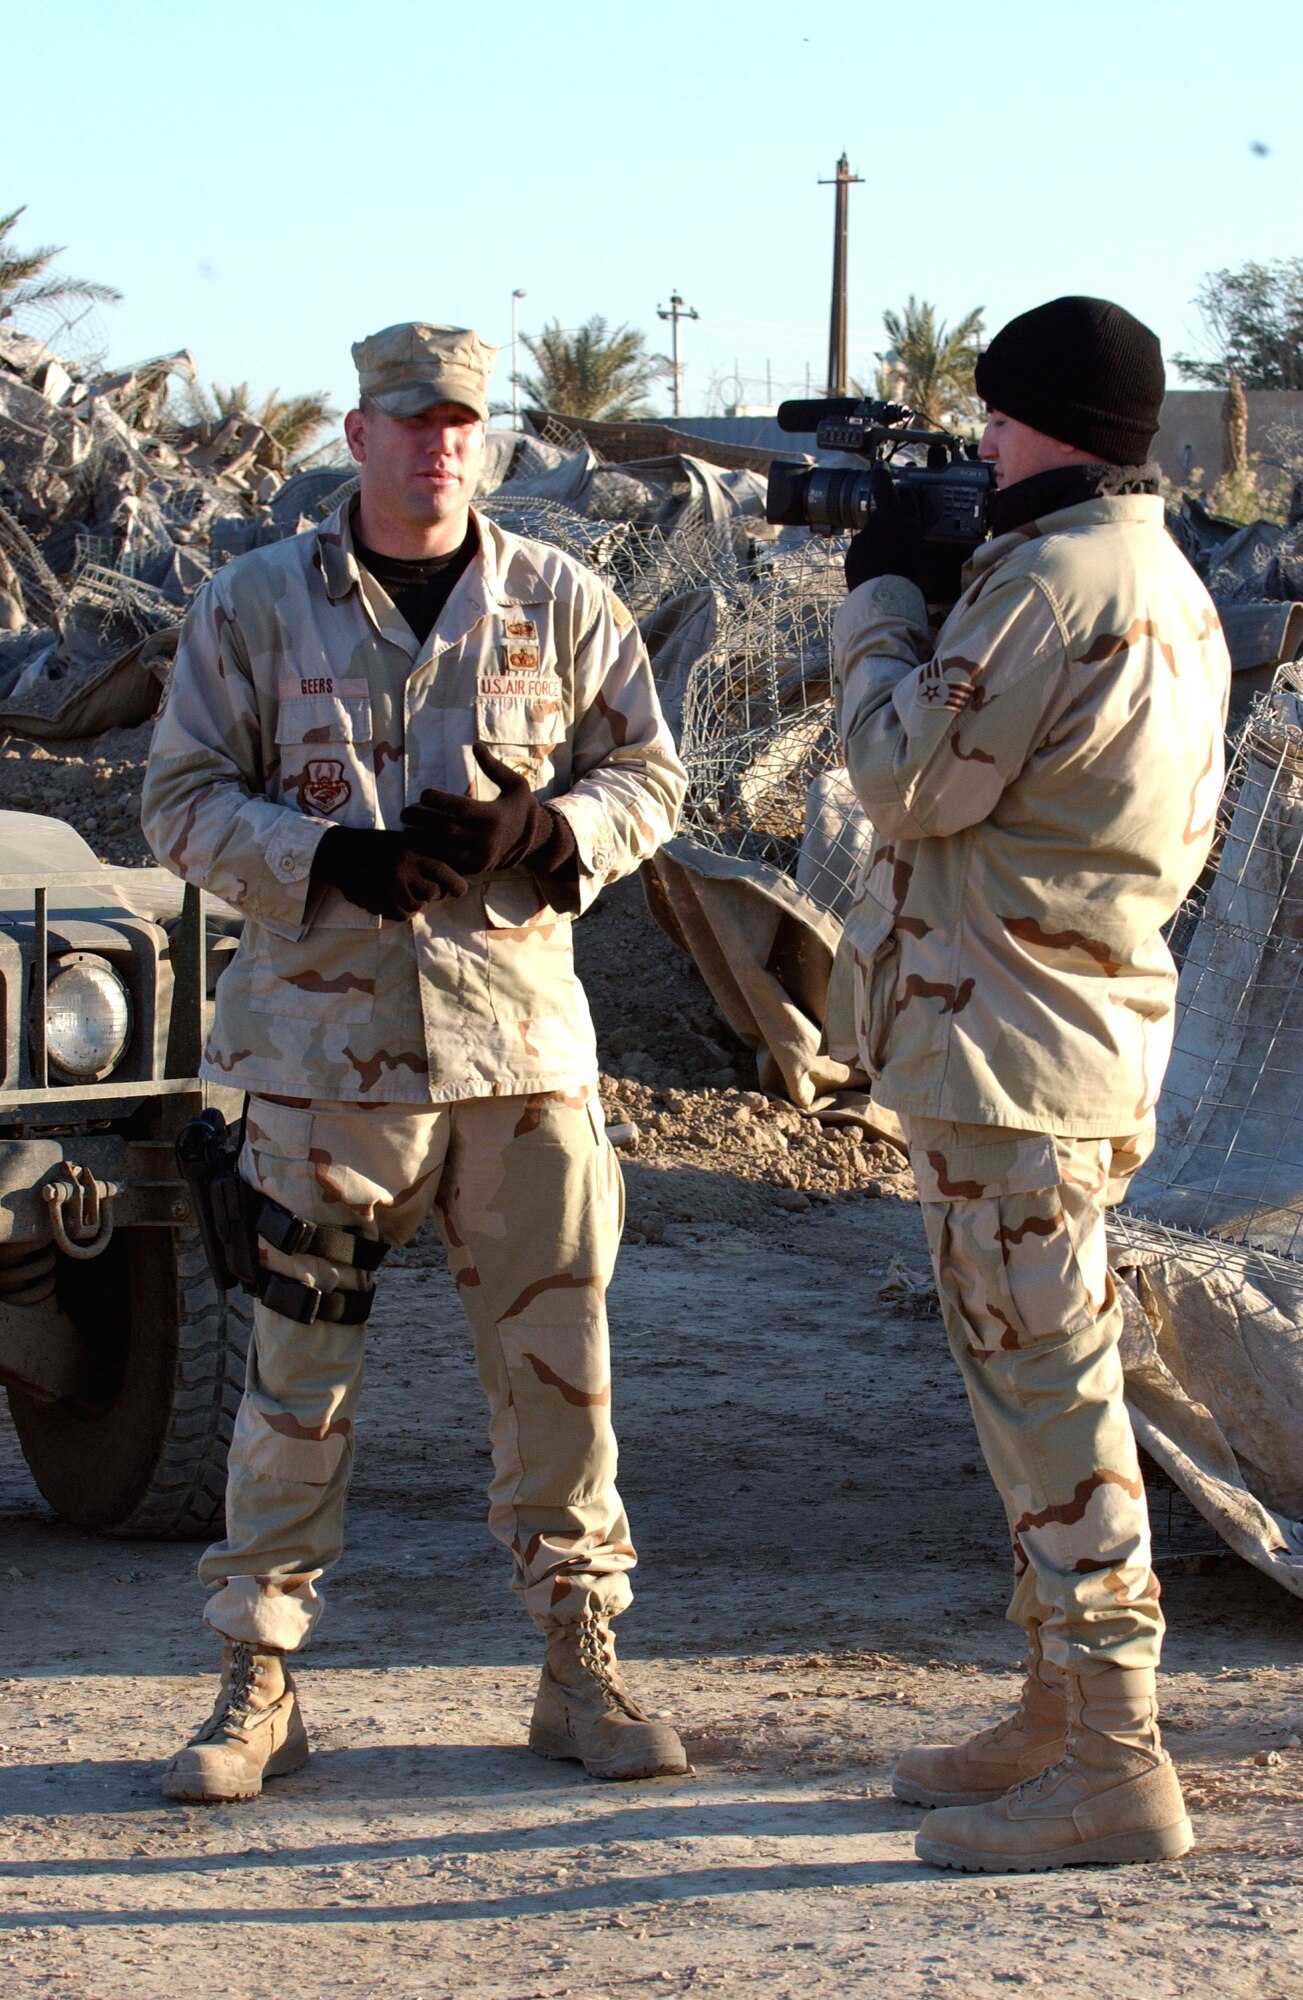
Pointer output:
x,y
808,415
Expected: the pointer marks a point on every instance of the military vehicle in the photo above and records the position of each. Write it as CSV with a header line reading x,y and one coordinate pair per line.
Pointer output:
x,y
121,1359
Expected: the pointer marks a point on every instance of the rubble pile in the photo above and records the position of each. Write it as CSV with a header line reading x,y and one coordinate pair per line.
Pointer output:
x,y
1263,561
112,512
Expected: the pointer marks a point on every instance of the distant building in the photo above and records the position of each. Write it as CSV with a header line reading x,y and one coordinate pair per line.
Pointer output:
x,y
1191,445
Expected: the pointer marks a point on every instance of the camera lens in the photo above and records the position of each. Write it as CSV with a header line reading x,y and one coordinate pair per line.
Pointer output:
x,y
785,494
832,500
838,500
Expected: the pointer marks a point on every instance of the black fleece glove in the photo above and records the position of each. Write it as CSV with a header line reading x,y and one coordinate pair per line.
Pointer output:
x,y
890,542
389,874
483,836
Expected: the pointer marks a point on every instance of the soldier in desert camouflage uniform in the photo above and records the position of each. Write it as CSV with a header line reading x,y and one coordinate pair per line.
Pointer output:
x,y
1042,777
410,747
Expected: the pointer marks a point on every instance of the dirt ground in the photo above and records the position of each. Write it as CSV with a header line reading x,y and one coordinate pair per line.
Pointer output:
x,y
822,1577
823,1571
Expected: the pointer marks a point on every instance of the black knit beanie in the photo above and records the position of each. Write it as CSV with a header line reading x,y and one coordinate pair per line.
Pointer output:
x,y
1081,370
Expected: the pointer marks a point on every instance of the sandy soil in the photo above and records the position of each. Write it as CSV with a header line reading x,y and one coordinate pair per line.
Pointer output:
x,y
822,1579
823,1574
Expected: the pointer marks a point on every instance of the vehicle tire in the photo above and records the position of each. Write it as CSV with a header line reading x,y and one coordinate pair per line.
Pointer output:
x,y
141,1449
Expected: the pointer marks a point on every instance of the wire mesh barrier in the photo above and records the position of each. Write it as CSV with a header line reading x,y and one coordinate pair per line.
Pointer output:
x,y
1211,1240
23,559
119,600
589,541
759,739
740,637
1229,1159
741,645
75,332
742,648
644,565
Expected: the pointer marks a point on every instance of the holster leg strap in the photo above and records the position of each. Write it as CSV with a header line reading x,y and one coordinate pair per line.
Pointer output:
x,y
300,1238
307,1303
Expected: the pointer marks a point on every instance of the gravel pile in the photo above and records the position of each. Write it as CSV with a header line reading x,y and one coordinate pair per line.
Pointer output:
x,y
94,785
705,1158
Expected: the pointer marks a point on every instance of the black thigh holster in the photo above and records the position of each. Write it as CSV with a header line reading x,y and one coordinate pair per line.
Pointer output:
x,y
233,1217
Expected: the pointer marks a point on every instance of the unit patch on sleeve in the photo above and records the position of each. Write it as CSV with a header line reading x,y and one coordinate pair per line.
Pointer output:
x,y
945,684
324,787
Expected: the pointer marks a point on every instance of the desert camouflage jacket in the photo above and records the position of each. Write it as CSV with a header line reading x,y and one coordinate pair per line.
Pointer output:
x,y
300,699
1042,784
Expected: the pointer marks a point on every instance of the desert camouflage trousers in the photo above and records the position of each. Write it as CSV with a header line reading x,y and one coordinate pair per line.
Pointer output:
x,y
1015,1225
528,1198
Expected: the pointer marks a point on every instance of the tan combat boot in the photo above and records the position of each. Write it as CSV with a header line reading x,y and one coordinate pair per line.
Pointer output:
x,y
1114,1796
585,1712
991,1763
254,1732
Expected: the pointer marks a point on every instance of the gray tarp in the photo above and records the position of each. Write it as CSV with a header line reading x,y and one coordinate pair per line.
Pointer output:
x,y
1262,560
113,694
1229,1156
765,951
1213,1356
652,492
1217,1391
678,633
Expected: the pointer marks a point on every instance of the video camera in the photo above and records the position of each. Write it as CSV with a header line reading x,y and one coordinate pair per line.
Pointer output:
x,y
948,494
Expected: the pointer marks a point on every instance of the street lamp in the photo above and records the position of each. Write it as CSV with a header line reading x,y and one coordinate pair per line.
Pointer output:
x,y
516,297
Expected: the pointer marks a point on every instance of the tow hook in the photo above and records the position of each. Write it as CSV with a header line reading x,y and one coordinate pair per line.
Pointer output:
x,y
88,1226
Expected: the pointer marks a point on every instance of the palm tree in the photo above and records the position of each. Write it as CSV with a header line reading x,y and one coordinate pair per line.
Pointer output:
x,y
22,283
293,421
593,372
930,365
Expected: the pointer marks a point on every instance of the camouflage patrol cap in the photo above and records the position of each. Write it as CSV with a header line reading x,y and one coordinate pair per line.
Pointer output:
x,y
406,368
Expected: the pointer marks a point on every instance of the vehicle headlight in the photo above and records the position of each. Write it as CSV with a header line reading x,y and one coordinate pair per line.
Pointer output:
x,y
87,1019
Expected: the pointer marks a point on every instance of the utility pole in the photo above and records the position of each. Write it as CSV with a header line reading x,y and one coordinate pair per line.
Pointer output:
x,y
516,297
677,311
843,183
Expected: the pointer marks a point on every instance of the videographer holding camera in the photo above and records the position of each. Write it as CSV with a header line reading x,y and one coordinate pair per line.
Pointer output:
x,y
1042,779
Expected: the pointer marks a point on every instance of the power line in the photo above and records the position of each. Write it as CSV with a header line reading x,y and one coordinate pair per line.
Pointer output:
x,y
843,182
677,311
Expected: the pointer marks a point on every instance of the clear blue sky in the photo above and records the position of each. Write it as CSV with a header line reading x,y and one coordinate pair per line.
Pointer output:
x,y
267,182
